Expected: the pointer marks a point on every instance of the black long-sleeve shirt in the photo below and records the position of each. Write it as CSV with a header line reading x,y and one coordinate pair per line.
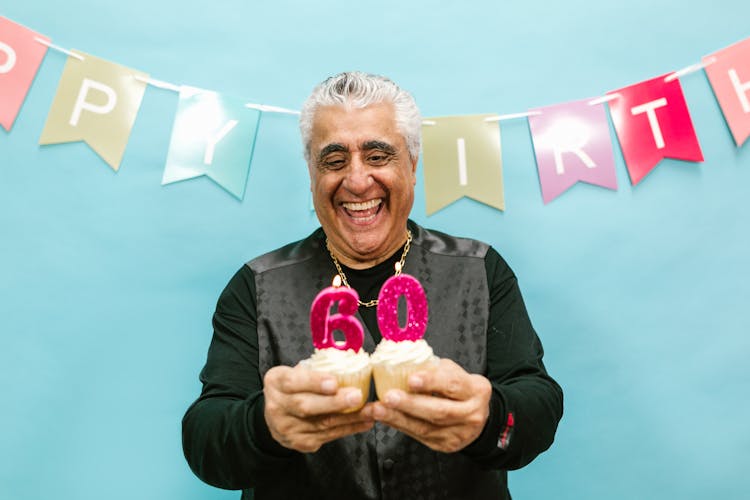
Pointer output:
x,y
225,436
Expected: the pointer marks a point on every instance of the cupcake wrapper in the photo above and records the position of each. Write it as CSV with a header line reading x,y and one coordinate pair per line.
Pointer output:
x,y
389,377
359,379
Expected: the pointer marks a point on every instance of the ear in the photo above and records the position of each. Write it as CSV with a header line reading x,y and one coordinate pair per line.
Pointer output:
x,y
310,175
414,170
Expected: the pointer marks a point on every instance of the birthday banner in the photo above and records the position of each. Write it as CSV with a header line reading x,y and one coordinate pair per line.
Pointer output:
x,y
729,73
213,135
652,122
204,119
96,102
20,57
462,158
572,144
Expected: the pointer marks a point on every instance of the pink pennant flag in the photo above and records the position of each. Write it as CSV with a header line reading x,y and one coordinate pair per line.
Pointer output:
x,y
728,71
20,57
572,143
652,122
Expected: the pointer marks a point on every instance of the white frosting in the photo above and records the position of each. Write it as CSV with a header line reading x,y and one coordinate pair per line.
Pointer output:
x,y
405,351
334,360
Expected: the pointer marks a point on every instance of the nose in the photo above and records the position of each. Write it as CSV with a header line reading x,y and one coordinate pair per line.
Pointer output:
x,y
358,177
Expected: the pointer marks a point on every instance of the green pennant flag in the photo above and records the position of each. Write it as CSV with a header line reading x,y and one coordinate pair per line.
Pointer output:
x,y
212,135
461,157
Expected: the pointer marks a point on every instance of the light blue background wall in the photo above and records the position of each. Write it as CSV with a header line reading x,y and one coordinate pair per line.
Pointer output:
x,y
108,281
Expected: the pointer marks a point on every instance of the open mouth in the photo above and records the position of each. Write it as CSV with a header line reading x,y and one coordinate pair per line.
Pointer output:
x,y
363,212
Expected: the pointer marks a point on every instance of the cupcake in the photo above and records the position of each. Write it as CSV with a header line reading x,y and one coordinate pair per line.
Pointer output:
x,y
402,351
393,362
343,359
351,369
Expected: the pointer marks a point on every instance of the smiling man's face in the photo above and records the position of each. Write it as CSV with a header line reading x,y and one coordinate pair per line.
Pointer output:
x,y
362,180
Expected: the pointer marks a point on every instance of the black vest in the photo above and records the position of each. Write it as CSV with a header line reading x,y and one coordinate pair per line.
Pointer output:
x,y
382,463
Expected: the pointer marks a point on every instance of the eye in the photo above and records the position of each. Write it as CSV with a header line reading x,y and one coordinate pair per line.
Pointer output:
x,y
334,163
378,158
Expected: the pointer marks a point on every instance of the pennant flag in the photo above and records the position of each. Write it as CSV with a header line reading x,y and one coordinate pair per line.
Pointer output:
x,y
213,135
652,122
20,57
96,102
462,158
728,71
572,144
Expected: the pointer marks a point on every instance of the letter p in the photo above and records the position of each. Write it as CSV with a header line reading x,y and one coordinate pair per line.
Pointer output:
x,y
10,58
81,103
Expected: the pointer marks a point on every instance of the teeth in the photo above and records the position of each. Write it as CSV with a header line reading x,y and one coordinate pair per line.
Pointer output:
x,y
364,205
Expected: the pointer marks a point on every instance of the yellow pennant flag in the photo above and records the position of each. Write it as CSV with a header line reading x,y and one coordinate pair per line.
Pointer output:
x,y
462,158
96,102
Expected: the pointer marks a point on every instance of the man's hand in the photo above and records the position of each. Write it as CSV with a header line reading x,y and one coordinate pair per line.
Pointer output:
x,y
303,408
446,409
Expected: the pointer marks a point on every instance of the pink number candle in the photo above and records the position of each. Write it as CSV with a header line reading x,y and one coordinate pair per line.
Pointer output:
x,y
323,324
416,305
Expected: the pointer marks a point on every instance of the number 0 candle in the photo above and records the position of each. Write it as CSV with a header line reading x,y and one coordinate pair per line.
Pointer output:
x,y
323,324
416,305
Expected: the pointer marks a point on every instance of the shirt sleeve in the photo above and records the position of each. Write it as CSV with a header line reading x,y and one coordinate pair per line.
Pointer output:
x,y
225,437
526,403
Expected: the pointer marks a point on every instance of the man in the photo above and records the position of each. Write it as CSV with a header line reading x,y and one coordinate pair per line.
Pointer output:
x,y
266,424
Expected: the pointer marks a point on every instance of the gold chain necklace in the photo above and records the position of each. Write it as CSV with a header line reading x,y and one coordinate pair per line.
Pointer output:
x,y
399,266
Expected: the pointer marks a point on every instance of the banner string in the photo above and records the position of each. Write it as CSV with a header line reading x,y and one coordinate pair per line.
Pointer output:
x,y
497,118
276,109
273,109
58,48
598,100
166,85
158,83
511,116
604,98
689,69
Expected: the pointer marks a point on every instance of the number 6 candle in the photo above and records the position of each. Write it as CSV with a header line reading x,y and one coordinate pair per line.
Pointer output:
x,y
323,324
416,305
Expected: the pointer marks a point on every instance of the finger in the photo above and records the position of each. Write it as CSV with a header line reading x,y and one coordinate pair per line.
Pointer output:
x,y
307,434
448,380
323,424
447,439
331,420
308,404
309,442
300,379
417,428
436,410
341,428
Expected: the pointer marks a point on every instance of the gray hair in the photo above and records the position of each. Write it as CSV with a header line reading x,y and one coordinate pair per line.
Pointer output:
x,y
358,90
